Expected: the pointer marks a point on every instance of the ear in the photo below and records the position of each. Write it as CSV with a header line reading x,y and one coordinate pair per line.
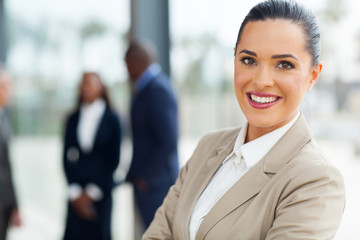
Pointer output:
x,y
314,75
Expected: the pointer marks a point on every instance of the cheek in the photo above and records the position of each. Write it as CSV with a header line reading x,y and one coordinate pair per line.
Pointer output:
x,y
241,78
98,92
294,88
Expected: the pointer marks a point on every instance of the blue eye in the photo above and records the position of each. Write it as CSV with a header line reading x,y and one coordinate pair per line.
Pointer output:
x,y
248,61
285,65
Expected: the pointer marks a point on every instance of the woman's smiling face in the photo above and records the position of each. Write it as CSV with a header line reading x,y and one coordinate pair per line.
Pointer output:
x,y
273,71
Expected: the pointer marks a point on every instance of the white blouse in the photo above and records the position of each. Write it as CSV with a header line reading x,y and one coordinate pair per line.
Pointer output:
x,y
90,117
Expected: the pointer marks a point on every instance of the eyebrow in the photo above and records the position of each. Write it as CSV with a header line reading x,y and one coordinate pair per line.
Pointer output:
x,y
248,52
284,56
273,57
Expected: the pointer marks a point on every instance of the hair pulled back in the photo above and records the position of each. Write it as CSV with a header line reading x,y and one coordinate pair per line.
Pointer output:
x,y
292,11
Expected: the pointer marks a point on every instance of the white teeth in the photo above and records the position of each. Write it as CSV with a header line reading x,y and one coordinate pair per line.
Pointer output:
x,y
262,99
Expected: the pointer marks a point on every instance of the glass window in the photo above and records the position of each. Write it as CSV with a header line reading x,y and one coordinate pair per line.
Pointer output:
x,y
50,44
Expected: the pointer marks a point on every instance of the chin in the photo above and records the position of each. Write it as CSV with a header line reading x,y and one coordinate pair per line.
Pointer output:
x,y
262,121
262,124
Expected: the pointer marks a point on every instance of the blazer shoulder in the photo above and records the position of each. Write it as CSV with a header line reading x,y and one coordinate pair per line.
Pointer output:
x,y
214,140
312,154
221,135
312,163
111,113
73,113
71,117
311,168
111,119
161,83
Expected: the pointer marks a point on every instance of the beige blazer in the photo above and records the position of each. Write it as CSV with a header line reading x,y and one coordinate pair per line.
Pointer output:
x,y
292,193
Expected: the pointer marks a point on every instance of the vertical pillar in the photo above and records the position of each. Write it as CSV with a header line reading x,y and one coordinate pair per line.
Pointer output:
x,y
3,35
150,20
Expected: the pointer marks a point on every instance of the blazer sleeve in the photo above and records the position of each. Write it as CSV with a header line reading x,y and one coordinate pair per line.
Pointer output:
x,y
161,227
70,175
311,206
164,131
8,190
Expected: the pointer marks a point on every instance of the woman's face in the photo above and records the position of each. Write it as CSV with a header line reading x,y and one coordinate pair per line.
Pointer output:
x,y
273,70
91,88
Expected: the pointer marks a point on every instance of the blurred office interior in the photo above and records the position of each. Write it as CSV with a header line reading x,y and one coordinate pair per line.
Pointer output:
x,y
46,45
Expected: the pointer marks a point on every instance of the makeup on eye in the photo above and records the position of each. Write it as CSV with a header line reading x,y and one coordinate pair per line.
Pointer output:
x,y
282,64
285,65
276,56
248,61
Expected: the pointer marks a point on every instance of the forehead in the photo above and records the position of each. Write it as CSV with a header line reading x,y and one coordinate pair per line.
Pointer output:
x,y
90,80
279,35
90,77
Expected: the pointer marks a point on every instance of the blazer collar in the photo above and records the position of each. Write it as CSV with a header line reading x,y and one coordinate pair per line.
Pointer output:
x,y
292,141
256,178
222,151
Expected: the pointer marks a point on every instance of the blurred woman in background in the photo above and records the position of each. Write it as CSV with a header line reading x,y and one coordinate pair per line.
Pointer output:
x,y
91,155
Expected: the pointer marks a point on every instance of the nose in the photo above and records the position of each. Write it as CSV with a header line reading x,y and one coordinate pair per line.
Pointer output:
x,y
263,78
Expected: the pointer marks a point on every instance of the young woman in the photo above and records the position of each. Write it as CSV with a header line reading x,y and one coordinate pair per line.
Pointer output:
x,y
267,179
91,155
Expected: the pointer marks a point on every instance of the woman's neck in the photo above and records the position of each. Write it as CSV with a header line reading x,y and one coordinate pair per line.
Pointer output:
x,y
254,132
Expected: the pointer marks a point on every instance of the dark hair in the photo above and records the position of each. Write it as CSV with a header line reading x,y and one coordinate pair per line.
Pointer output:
x,y
289,10
144,51
104,94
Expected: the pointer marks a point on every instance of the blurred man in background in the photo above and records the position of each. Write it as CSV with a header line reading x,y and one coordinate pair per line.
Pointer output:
x,y
154,122
9,214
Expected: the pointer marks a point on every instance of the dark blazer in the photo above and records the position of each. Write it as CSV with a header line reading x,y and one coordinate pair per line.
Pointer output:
x,y
294,192
154,123
7,193
96,166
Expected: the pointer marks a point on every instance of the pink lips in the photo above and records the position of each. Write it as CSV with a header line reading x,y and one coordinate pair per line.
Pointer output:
x,y
259,105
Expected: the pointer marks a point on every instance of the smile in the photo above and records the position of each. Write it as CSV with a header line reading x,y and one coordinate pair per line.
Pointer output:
x,y
262,100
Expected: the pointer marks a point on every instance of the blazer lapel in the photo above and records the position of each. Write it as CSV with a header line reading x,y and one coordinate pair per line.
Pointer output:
x,y
205,174
293,140
101,125
247,187
256,178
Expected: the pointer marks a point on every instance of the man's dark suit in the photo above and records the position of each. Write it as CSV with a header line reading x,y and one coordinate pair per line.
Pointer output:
x,y
7,193
96,166
155,133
